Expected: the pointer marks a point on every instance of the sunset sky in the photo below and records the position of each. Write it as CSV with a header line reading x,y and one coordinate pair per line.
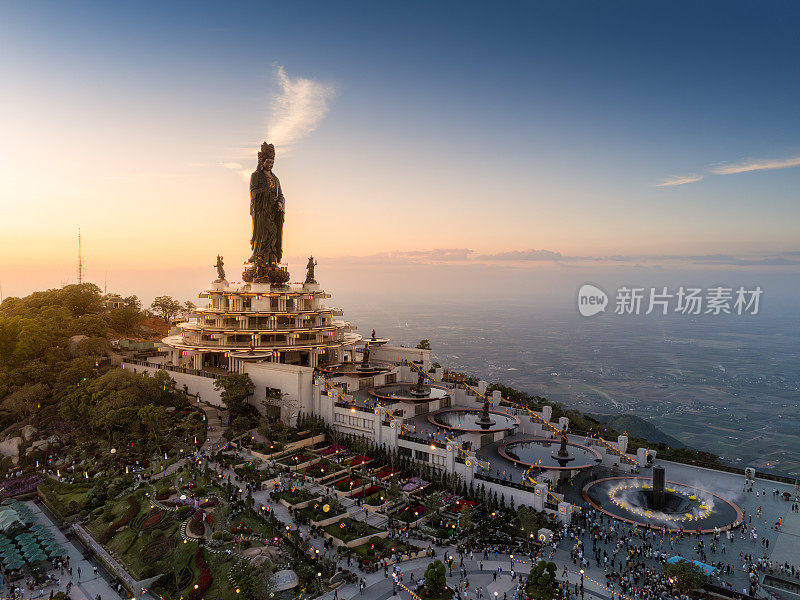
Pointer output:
x,y
525,135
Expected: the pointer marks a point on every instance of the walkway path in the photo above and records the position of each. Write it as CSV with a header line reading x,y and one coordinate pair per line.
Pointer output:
x,y
89,585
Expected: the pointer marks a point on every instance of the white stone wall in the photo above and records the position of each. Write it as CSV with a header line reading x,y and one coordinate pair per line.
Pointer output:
x,y
397,353
295,383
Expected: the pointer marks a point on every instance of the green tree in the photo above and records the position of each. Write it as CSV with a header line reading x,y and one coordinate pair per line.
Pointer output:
x,y
255,582
424,345
684,575
81,299
93,346
152,417
124,318
435,578
236,387
93,325
466,518
431,503
166,307
25,401
542,581
133,301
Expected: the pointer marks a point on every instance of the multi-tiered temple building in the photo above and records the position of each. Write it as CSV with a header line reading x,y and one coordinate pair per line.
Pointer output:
x,y
254,322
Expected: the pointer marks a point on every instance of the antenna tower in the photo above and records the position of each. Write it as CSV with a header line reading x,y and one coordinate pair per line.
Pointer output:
x,y
80,258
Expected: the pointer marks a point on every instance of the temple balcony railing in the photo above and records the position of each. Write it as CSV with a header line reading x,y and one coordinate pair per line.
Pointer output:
x,y
267,346
234,327
272,310
172,368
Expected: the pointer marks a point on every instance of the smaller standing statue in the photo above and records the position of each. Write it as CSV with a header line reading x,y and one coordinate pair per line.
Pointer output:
x,y
485,415
562,451
420,380
485,421
310,270
365,358
220,269
373,335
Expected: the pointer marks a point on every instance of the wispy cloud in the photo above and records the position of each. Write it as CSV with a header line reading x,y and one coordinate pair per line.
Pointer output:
x,y
523,258
298,108
756,165
231,165
526,255
679,180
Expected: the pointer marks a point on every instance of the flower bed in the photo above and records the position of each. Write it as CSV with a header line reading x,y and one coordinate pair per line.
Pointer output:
x,y
358,460
204,581
295,496
184,512
174,502
321,469
156,520
367,491
316,512
348,530
157,548
133,510
385,472
377,549
241,527
414,484
332,449
347,484
448,499
410,513
461,504
196,525
295,458
377,498
20,486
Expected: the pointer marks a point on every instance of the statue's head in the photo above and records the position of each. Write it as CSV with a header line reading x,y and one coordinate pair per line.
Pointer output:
x,y
266,157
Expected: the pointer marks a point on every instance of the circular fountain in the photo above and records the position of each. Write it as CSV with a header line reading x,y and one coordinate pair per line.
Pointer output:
x,y
659,504
473,421
407,392
550,454
355,368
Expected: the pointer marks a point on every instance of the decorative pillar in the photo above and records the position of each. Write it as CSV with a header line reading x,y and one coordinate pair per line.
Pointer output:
x,y
450,462
563,422
378,425
547,413
482,387
539,496
469,471
394,431
565,512
496,397
622,443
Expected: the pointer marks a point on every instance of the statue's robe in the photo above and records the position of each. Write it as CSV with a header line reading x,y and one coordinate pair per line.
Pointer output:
x,y
267,240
